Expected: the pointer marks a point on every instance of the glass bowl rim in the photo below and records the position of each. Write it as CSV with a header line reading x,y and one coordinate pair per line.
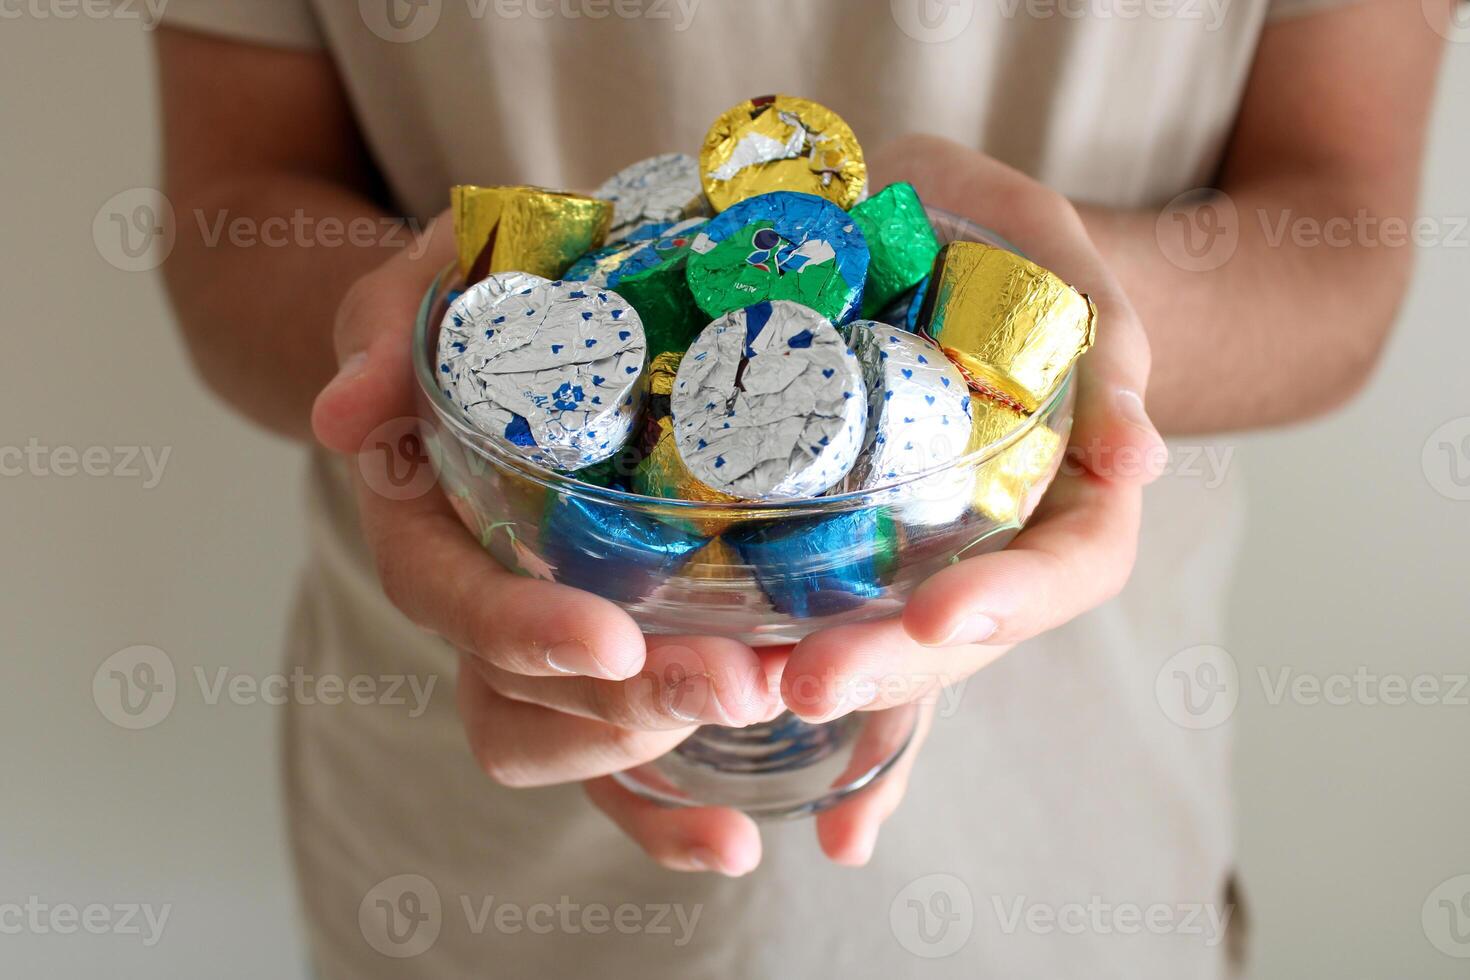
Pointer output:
x,y
472,439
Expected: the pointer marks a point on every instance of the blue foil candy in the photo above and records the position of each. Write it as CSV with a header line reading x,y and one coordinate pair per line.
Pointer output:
x,y
611,551
820,566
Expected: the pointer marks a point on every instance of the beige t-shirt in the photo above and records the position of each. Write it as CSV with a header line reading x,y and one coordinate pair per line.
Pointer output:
x,y
1060,822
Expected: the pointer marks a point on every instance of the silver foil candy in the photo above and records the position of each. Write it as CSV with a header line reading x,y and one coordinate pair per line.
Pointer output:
x,y
918,419
769,404
548,370
664,188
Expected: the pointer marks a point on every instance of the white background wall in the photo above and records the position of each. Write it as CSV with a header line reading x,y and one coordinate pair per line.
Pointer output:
x,y
1349,815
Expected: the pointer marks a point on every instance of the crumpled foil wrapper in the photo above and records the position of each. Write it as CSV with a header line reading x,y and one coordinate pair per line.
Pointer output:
x,y
1013,327
781,143
1008,486
548,370
781,246
769,404
600,265
611,550
524,229
820,566
901,241
662,189
652,278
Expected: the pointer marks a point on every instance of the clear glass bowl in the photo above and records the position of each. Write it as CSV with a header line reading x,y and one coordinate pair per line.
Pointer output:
x,y
762,573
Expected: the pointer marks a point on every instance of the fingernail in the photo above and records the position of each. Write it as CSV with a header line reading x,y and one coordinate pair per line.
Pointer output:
x,y
1130,406
866,844
575,657
350,368
692,699
975,628
704,859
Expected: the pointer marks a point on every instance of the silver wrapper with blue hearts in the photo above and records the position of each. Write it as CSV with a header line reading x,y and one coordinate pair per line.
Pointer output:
x,y
548,370
918,419
769,404
664,188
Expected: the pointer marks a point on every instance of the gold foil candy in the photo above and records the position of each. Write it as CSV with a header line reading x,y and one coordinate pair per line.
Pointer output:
x,y
1004,484
661,372
781,143
1013,327
524,229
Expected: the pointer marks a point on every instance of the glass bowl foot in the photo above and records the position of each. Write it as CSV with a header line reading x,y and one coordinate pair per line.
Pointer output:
x,y
781,769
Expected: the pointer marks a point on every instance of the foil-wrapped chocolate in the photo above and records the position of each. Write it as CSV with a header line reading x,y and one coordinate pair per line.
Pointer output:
x,y
780,246
900,241
781,143
918,406
617,552
819,566
1013,327
1007,486
548,370
600,265
652,279
661,189
661,472
524,229
769,404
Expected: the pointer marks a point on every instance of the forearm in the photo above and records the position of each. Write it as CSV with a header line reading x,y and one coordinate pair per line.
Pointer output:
x,y
260,265
1287,326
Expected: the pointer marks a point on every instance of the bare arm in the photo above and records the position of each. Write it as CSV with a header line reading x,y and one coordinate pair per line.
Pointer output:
x,y
260,143
1330,136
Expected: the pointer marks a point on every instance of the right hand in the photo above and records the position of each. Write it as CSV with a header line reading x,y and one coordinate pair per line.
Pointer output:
x,y
555,685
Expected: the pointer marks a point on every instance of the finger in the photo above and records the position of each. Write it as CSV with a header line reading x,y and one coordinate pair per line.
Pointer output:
x,y
684,838
520,745
873,666
441,578
373,336
684,681
848,832
1077,553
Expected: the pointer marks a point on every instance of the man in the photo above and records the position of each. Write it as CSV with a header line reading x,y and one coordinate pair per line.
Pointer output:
x,y
1059,782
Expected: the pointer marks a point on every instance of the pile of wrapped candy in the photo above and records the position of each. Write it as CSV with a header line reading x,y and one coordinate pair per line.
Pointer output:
x,y
750,325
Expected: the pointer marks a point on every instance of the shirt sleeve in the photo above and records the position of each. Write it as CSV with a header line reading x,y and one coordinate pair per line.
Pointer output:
x,y
284,23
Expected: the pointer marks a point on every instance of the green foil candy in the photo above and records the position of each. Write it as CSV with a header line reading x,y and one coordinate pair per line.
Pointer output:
x,y
901,242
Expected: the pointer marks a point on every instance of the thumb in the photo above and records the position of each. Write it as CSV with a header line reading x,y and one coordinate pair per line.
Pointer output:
x,y
374,339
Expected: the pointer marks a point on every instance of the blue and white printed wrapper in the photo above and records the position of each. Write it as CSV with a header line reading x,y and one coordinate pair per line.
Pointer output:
x,y
918,419
661,189
769,404
548,370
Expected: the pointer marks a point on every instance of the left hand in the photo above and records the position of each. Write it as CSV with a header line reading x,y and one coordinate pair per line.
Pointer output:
x,y
1078,549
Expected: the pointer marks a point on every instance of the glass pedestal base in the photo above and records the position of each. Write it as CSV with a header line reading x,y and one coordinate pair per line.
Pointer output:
x,y
783,768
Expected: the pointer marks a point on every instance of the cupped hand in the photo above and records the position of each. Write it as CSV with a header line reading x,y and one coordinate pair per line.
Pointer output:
x,y
555,685
1078,549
